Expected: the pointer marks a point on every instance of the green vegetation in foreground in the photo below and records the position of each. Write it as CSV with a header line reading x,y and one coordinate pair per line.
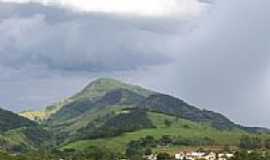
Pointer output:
x,y
178,127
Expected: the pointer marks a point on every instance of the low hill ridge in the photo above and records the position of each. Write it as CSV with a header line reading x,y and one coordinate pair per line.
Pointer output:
x,y
18,134
10,120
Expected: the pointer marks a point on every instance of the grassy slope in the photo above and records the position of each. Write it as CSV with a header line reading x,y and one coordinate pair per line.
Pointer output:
x,y
73,125
35,116
19,133
178,128
17,137
14,137
40,116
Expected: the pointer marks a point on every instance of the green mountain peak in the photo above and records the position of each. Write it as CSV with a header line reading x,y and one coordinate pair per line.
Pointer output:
x,y
101,86
92,93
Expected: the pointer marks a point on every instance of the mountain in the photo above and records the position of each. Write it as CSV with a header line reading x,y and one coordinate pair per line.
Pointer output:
x,y
18,134
110,93
84,104
90,94
100,98
110,112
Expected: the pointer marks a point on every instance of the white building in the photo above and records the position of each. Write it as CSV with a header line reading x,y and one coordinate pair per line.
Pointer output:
x,y
225,156
151,157
202,155
210,156
179,156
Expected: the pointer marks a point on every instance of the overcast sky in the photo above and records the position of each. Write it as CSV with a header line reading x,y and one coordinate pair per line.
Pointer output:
x,y
213,54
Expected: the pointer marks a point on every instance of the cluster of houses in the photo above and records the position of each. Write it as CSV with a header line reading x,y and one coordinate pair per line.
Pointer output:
x,y
198,156
203,155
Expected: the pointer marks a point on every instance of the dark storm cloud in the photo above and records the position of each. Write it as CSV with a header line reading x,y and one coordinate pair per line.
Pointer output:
x,y
48,53
64,40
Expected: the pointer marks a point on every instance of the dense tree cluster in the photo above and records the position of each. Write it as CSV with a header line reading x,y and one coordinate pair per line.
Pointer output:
x,y
245,155
143,146
164,156
116,125
92,153
253,142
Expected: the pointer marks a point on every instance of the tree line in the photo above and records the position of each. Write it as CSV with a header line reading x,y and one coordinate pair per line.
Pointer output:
x,y
253,142
138,148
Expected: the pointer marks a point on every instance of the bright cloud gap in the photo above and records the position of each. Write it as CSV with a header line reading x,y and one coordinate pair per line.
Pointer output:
x,y
183,8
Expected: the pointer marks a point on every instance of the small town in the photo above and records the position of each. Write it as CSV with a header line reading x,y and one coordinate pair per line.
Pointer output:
x,y
195,156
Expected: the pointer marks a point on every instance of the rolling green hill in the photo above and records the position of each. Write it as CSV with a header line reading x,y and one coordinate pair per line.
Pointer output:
x,y
18,134
9,120
179,128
